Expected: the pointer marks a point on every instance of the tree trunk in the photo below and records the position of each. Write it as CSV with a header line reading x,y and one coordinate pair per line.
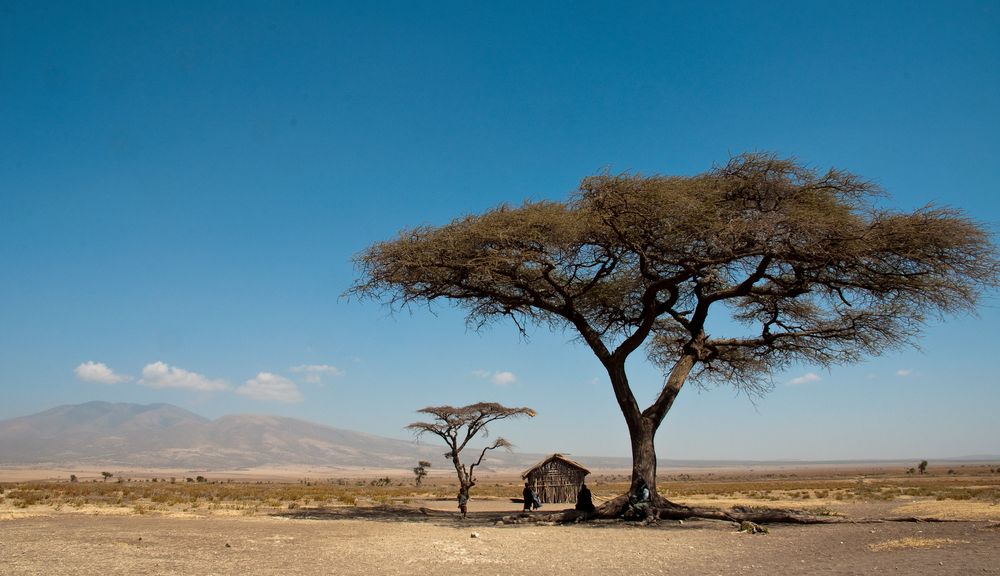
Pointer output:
x,y
642,427
642,431
465,481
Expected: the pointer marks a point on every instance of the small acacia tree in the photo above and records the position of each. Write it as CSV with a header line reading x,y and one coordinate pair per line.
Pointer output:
x,y
458,426
805,264
420,470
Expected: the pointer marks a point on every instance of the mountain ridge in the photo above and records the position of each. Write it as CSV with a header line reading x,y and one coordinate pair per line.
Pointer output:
x,y
163,435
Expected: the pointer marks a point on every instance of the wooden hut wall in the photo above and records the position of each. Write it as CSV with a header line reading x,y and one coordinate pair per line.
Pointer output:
x,y
556,482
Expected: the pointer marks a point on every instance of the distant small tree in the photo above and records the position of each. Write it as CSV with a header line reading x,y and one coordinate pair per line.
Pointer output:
x,y
201,479
73,478
106,475
421,470
457,426
922,467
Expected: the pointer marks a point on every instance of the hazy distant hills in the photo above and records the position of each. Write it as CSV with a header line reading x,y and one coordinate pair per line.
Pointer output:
x,y
165,436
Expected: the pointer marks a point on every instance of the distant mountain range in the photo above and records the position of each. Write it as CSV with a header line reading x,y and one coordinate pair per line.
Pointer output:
x,y
166,436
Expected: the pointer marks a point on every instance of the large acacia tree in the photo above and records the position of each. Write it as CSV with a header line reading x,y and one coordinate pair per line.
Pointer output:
x,y
805,263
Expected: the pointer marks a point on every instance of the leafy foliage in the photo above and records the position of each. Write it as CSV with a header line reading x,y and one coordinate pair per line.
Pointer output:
x,y
458,426
806,263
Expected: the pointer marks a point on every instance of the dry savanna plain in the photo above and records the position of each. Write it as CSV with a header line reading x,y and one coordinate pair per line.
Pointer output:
x,y
946,521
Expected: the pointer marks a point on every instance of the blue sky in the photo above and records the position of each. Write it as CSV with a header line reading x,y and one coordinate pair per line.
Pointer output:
x,y
183,186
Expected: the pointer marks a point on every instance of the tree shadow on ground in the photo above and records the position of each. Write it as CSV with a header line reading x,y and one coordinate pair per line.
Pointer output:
x,y
419,515
392,514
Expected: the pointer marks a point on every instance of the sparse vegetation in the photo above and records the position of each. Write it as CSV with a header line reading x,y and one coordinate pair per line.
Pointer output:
x,y
819,494
911,543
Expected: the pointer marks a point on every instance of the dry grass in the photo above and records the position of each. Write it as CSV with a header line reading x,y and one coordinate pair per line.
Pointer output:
x,y
973,495
910,543
951,509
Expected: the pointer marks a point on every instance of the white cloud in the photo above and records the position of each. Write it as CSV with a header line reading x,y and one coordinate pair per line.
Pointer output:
x,y
98,372
161,375
504,378
903,373
499,378
314,373
271,387
804,379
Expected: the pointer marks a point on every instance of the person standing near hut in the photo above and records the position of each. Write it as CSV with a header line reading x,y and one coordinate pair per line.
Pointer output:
x,y
584,500
530,498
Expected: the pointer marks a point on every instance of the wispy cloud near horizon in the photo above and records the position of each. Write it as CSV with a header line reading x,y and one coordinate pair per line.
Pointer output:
x,y
500,378
314,373
271,387
804,379
504,378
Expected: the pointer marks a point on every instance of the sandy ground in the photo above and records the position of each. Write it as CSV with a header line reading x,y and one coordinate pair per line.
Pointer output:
x,y
347,541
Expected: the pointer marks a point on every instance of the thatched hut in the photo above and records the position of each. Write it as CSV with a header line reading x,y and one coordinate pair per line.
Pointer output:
x,y
556,479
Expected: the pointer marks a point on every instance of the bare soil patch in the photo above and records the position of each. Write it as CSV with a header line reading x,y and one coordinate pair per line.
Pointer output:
x,y
348,541
379,525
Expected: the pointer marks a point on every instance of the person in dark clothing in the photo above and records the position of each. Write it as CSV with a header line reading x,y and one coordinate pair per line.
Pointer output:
x,y
584,500
530,498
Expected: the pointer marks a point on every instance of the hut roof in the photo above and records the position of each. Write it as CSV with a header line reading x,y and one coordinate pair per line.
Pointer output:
x,y
555,457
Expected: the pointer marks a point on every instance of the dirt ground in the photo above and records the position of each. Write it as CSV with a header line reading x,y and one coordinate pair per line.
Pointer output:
x,y
349,540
